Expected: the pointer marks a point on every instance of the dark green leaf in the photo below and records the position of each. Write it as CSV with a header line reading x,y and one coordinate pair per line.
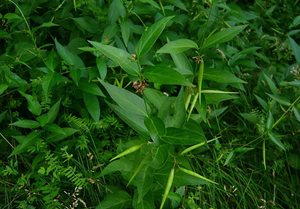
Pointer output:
x,y
33,104
3,87
276,140
115,200
280,100
296,49
25,142
179,136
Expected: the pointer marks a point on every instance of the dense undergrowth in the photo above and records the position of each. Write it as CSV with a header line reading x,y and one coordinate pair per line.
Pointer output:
x,y
149,104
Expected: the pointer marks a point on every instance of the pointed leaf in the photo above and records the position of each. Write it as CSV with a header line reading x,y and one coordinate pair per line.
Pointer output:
x,y
222,36
178,136
296,49
25,142
92,104
125,99
89,87
26,124
150,36
119,56
280,100
3,87
165,75
53,112
192,173
115,200
156,128
221,76
178,46
276,140
33,104
127,151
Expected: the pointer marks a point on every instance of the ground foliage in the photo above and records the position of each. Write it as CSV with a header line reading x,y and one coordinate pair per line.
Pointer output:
x,y
149,104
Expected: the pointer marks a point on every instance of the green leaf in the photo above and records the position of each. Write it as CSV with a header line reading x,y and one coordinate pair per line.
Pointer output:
x,y
125,31
165,75
119,56
62,134
192,173
133,120
155,97
296,22
116,10
280,100
69,57
150,36
87,24
221,76
54,128
156,128
178,46
89,87
167,188
25,142
296,113
33,105
217,98
222,36
182,64
115,200
3,87
92,105
26,124
179,136
271,84
102,68
295,48
125,99
123,165
128,151
53,112
151,2
276,140
270,121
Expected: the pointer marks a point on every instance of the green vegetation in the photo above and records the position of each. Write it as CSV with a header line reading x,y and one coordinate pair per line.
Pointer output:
x,y
149,104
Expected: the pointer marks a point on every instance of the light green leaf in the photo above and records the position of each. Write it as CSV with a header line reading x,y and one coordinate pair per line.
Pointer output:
x,y
296,22
178,46
270,121
92,105
165,75
3,87
271,84
221,76
280,100
192,173
150,36
119,56
127,151
276,140
222,36
295,48
296,113
123,165
33,104
26,124
102,68
125,99
167,188
89,87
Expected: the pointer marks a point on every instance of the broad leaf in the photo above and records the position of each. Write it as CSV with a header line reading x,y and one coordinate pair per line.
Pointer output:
x,y
179,136
125,99
89,87
33,104
222,36
150,36
115,200
165,75
178,46
119,56
25,142
155,127
221,76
